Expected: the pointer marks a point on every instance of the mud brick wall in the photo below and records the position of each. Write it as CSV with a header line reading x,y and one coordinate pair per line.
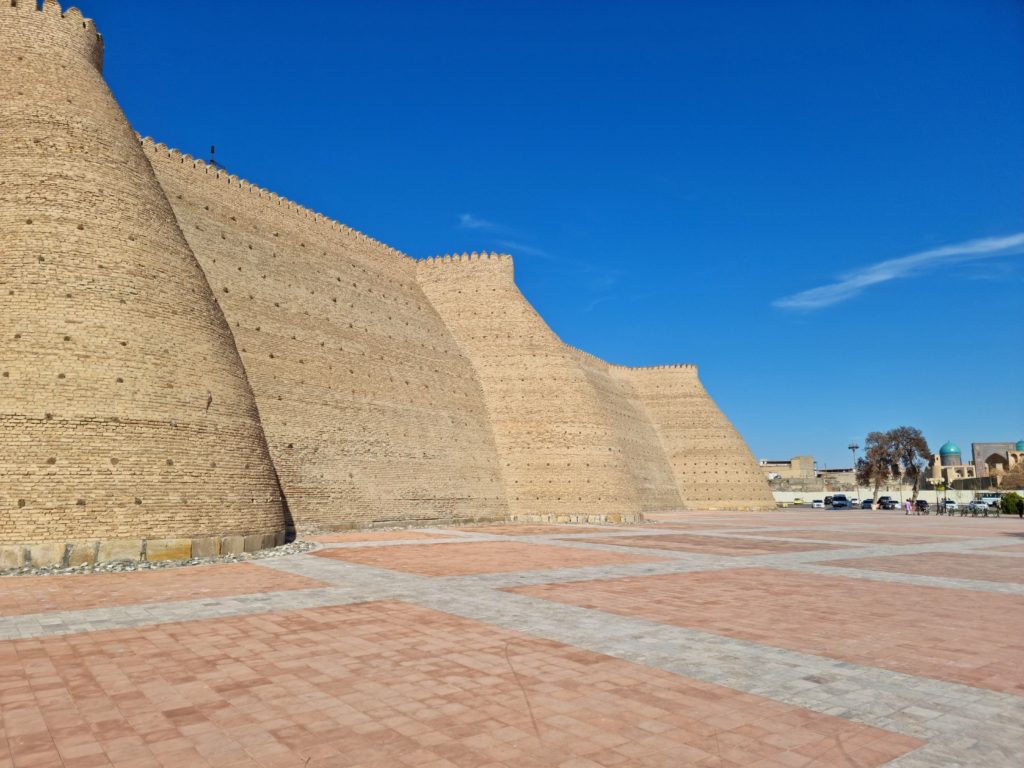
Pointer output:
x,y
372,413
713,466
643,455
559,451
124,409
191,361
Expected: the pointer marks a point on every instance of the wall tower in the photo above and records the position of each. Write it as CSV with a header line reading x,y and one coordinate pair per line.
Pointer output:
x,y
125,411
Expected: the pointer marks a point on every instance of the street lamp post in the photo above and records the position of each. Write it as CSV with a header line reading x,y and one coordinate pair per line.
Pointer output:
x,y
853,450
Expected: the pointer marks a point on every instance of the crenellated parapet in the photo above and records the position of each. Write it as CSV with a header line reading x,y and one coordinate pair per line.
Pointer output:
x,y
213,172
474,259
689,367
44,30
594,359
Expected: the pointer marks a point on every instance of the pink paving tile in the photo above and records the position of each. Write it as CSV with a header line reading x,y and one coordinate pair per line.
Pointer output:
x,y
39,594
859,536
1007,548
953,565
534,529
467,558
341,538
389,684
713,545
955,635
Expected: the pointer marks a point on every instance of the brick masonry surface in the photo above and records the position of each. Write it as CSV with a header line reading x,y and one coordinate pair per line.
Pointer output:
x,y
529,645
185,355
125,411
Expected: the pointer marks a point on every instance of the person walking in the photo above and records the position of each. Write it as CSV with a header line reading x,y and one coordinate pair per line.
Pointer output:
x,y
906,507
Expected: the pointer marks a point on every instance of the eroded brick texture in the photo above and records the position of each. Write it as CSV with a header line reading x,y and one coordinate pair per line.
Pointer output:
x,y
559,451
124,408
713,466
372,413
375,389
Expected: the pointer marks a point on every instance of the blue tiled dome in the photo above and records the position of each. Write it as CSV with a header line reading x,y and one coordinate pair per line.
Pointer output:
x,y
949,449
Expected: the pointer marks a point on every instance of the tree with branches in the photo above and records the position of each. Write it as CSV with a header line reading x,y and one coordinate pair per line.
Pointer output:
x,y
878,466
899,454
911,453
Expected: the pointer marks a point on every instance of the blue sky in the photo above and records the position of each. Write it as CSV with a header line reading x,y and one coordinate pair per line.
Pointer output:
x,y
820,204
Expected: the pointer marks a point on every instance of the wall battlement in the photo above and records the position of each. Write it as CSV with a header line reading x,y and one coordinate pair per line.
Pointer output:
x,y
465,258
67,31
213,172
632,368
189,357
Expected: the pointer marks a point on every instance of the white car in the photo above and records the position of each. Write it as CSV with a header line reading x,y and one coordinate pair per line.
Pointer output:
x,y
817,504
949,504
978,505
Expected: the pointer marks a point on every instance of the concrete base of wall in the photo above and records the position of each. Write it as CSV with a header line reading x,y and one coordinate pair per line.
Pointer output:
x,y
75,553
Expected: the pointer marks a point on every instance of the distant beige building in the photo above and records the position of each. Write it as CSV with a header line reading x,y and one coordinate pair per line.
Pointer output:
x,y
797,468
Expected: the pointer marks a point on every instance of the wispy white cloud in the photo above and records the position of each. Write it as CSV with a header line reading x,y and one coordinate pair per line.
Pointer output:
x,y
530,250
469,221
852,283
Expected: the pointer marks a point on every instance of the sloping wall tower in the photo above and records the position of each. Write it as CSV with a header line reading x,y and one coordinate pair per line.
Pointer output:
x,y
191,361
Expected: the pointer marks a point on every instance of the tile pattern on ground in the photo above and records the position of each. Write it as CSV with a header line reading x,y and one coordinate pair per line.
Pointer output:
x,y
464,558
389,684
1006,548
917,630
954,565
956,723
855,537
359,536
713,545
535,529
23,595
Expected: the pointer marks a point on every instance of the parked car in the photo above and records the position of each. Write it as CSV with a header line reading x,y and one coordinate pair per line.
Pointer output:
x,y
992,500
839,501
950,505
887,502
921,505
799,501
867,504
828,501
978,505
818,504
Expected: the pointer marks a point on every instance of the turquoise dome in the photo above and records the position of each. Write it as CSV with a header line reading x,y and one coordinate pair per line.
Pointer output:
x,y
949,449
1020,446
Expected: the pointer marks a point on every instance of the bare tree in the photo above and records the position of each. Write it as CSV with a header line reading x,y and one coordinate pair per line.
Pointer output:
x,y
879,464
911,452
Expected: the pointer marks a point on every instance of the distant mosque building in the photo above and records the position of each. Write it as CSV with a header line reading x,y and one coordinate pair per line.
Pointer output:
x,y
989,460
948,466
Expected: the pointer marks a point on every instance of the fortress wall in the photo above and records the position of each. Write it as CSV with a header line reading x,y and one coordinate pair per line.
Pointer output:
x,y
561,457
644,456
125,411
713,466
372,413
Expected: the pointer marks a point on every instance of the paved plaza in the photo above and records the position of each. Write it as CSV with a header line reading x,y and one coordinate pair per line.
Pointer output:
x,y
769,640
